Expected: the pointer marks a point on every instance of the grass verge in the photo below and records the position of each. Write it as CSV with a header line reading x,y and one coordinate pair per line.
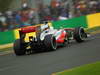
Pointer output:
x,y
90,69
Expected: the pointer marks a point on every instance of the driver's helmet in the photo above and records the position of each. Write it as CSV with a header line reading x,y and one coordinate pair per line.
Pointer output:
x,y
44,27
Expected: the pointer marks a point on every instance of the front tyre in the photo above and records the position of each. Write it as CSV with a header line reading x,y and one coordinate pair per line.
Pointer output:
x,y
50,42
19,48
79,34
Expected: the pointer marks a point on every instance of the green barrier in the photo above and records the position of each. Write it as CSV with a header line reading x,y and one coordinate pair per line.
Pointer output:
x,y
6,37
71,23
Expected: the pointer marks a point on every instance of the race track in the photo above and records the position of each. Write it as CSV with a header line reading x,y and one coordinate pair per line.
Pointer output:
x,y
47,63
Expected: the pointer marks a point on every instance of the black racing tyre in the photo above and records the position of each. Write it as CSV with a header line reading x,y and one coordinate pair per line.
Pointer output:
x,y
79,34
19,48
35,48
50,42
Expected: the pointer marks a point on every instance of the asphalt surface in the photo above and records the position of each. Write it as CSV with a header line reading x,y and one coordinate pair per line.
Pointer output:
x,y
47,63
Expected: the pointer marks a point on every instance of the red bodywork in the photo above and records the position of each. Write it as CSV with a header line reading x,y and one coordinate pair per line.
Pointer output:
x,y
61,38
64,35
69,29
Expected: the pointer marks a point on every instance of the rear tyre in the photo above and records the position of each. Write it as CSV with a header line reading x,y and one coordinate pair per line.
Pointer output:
x,y
50,42
19,48
79,34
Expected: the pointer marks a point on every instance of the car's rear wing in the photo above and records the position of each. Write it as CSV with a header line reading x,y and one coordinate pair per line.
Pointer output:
x,y
28,29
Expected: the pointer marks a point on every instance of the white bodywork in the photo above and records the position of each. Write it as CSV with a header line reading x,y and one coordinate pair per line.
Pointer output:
x,y
48,31
55,33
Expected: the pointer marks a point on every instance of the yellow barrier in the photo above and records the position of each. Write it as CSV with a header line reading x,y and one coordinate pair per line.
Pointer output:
x,y
93,20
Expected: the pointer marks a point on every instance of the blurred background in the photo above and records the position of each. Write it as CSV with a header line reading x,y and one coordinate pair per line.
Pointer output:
x,y
19,13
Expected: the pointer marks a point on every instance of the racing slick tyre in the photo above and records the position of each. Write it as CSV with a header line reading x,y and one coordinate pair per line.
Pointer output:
x,y
79,34
50,42
19,48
